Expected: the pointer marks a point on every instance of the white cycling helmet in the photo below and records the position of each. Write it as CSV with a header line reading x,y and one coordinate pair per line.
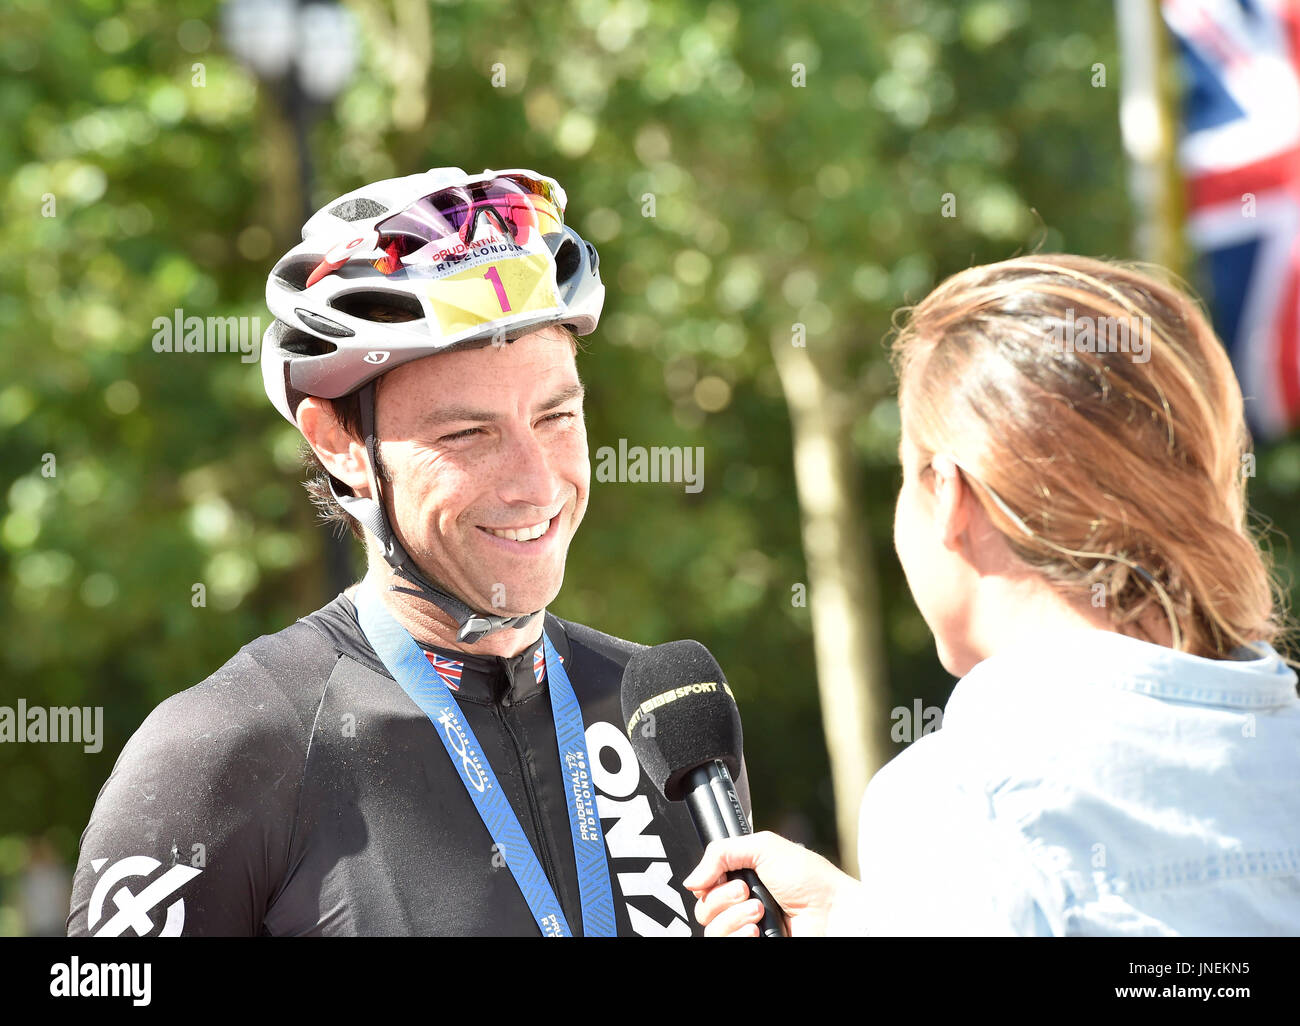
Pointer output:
x,y
407,268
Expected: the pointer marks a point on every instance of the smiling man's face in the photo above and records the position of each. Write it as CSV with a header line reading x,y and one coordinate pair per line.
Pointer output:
x,y
487,453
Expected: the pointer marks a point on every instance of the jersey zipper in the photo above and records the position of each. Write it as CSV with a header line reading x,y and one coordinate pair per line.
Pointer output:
x,y
548,866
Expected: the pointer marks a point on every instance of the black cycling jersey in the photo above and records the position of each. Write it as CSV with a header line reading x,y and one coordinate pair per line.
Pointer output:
x,y
299,790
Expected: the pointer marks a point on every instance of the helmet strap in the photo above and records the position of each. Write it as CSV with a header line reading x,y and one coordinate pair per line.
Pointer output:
x,y
472,626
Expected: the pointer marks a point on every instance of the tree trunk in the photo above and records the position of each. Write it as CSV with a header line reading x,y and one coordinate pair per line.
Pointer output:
x,y
843,597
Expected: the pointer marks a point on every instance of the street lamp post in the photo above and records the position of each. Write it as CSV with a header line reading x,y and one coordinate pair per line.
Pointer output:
x,y
304,52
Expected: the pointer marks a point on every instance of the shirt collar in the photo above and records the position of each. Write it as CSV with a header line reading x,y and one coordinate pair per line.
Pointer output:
x,y
1255,678
507,680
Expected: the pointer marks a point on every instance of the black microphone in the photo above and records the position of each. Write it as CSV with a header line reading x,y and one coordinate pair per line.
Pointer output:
x,y
684,726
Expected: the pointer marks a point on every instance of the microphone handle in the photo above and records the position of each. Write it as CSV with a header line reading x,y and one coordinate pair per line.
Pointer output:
x,y
717,813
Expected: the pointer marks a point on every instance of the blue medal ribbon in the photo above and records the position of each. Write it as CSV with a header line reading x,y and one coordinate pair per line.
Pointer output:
x,y
588,842
410,667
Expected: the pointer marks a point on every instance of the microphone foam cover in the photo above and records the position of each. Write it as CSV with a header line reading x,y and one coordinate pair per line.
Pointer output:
x,y
679,714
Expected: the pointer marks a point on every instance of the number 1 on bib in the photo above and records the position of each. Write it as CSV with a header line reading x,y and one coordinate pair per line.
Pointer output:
x,y
492,275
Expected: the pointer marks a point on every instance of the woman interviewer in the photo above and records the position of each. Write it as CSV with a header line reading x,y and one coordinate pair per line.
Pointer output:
x,y
1122,752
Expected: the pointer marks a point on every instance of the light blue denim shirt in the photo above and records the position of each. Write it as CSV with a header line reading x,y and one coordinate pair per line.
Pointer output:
x,y
1091,783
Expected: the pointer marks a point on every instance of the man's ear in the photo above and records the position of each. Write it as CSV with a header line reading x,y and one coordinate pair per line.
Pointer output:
x,y
952,501
342,455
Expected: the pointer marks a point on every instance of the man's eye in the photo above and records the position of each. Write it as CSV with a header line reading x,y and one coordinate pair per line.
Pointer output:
x,y
470,432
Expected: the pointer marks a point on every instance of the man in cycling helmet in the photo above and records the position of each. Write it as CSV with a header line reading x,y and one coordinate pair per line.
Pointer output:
x,y
432,752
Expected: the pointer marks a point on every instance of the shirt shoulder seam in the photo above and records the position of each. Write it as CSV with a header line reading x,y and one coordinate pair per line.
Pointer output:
x,y
302,784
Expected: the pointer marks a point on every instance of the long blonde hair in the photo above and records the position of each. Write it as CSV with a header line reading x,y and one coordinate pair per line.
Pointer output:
x,y
1103,424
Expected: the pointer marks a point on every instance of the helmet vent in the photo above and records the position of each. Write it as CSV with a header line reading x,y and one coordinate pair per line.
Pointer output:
x,y
568,259
295,272
358,209
383,307
291,340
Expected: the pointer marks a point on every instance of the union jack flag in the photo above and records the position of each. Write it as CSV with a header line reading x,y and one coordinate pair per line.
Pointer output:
x,y
448,670
1240,154
539,662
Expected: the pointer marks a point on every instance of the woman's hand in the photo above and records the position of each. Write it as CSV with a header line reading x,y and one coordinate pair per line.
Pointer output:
x,y
802,882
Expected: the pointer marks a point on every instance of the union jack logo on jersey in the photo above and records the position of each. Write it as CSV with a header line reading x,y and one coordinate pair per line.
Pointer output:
x,y
448,670
539,662
1240,153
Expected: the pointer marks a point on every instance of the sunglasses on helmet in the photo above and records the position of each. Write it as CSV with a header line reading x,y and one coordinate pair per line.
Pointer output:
x,y
513,205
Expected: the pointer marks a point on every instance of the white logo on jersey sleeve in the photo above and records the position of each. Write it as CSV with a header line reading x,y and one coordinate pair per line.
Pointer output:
x,y
131,910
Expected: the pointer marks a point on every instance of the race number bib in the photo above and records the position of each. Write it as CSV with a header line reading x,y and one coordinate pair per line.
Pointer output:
x,y
493,290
